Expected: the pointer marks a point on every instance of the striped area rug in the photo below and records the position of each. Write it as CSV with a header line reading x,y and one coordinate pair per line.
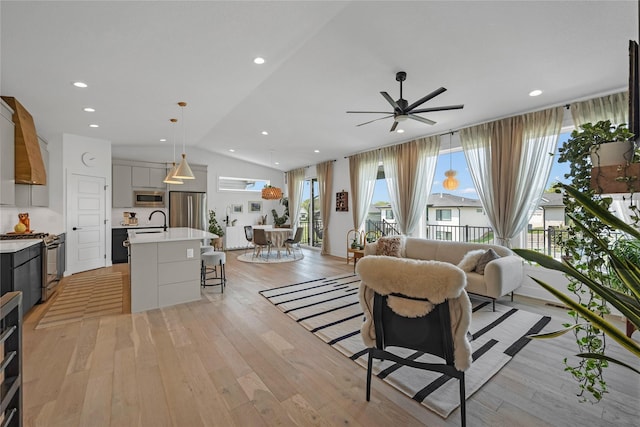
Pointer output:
x,y
330,309
85,297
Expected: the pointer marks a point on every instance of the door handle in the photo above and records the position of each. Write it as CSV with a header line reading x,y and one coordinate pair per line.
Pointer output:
x,y
76,228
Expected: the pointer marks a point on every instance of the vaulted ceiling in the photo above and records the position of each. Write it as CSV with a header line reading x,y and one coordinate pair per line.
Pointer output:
x,y
139,58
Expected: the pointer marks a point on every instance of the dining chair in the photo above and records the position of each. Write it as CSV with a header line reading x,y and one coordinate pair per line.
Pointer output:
x,y
260,241
291,244
248,234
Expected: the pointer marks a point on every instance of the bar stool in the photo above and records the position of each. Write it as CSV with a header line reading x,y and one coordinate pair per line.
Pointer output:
x,y
213,260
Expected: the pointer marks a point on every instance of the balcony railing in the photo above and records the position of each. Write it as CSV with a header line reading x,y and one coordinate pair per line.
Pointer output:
x,y
547,241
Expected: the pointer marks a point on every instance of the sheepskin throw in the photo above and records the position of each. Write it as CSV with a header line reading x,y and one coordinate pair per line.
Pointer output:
x,y
390,246
433,280
485,259
470,260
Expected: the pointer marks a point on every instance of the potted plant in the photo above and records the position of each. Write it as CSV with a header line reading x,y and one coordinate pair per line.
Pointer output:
x,y
278,221
607,144
627,272
216,229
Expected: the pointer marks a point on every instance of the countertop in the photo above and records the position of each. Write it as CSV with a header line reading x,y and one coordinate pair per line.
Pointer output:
x,y
11,246
171,235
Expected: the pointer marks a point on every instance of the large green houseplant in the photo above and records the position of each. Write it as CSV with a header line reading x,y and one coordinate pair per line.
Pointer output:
x,y
626,271
586,253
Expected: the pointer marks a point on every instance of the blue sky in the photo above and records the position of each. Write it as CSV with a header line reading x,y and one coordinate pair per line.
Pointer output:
x,y
466,188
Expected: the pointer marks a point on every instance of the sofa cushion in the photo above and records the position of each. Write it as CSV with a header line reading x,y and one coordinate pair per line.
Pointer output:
x,y
470,260
485,259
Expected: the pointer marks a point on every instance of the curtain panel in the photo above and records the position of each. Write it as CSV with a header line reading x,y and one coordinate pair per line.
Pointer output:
x,y
614,107
324,172
295,182
409,169
363,171
510,161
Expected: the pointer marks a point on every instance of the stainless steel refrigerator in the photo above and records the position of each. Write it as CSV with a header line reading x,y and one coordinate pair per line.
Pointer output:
x,y
188,209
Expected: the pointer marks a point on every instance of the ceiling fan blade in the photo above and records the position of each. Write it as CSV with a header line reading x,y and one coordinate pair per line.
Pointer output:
x,y
393,126
374,120
372,112
390,100
421,119
448,107
425,99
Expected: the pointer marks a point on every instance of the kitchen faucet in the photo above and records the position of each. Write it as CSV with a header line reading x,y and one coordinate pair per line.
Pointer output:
x,y
163,214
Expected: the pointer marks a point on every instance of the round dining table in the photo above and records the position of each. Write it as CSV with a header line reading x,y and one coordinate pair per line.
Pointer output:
x,y
277,236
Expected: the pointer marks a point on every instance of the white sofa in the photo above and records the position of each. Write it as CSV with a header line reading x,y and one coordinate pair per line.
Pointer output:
x,y
501,276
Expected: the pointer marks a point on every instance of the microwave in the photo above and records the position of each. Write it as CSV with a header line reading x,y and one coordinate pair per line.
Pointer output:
x,y
149,199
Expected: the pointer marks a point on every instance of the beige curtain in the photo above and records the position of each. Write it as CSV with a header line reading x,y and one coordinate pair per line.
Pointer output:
x,y
295,182
613,107
363,171
510,162
409,169
324,173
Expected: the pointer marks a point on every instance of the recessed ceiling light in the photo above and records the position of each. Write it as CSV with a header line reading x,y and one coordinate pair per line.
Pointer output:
x,y
264,132
316,151
89,110
94,126
232,150
276,163
163,139
258,61
400,131
80,84
535,92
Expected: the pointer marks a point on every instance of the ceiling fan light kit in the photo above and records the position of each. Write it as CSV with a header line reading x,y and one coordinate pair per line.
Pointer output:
x,y
403,111
184,170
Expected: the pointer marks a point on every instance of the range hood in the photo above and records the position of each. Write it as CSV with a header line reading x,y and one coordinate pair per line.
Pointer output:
x,y
29,167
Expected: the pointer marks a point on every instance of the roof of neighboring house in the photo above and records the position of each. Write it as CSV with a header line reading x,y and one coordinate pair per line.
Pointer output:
x,y
450,200
552,200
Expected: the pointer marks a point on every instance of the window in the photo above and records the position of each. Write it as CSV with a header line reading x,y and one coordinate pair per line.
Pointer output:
x,y
388,214
443,214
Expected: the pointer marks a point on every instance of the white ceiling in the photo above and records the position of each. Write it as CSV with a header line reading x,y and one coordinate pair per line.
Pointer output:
x,y
322,59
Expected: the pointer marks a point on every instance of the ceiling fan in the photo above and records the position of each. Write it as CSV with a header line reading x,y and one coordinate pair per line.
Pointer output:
x,y
402,110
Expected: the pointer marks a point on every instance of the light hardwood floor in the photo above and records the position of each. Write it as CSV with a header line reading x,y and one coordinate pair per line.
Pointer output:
x,y
236,360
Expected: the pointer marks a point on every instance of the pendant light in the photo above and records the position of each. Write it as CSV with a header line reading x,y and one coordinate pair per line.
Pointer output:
x,y
183,171
170,178
270,192
450,183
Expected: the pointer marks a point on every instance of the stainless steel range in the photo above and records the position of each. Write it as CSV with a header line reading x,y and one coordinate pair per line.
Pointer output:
x,y
53,259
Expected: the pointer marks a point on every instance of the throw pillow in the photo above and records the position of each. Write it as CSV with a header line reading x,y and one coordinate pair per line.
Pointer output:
x,y
485,259
389,246
470,260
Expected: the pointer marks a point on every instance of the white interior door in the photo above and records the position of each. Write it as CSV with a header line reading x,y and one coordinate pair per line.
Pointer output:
x,y
86,238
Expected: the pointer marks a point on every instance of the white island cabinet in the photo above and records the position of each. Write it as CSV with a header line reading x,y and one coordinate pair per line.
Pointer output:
x,y
165,266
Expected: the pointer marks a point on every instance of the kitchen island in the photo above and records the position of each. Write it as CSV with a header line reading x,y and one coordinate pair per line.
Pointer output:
x,y
165,266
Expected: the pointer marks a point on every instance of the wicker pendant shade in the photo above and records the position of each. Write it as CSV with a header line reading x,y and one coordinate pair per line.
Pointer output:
x,y
450,183
271,193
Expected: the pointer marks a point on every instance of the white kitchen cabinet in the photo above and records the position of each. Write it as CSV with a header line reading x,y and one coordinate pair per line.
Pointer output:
x,y
122,191
35,195
147,177
7,148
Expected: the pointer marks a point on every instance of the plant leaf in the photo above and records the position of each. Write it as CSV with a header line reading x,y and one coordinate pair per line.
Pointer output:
x,y
554,334
594,319
608,359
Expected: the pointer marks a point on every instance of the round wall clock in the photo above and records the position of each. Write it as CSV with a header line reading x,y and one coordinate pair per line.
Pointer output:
x,y
88,159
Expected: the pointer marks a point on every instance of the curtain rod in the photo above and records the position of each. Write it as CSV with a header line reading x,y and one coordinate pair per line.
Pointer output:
x,y
453,131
